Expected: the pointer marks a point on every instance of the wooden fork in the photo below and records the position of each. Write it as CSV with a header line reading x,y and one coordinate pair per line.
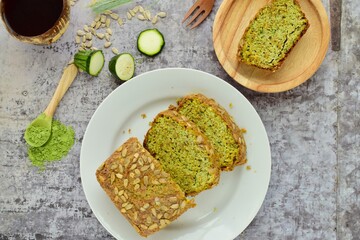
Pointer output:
x,y
199,11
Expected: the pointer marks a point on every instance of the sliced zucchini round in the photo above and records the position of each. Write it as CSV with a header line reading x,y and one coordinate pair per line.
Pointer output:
x,y
150,42
91,62
122,66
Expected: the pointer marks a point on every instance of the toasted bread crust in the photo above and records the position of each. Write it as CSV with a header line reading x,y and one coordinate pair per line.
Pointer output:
x,y
139,188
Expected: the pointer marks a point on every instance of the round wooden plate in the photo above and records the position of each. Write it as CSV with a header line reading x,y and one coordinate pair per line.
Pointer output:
x,y
305,58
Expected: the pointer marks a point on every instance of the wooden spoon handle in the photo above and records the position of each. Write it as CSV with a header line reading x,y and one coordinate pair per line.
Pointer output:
x,y
66,80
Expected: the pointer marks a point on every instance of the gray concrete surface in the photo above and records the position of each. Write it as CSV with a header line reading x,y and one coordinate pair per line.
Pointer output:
x,y
314,132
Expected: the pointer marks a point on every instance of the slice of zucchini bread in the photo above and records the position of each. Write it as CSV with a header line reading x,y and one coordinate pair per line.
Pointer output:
x,y
272,34
183,151
218,126
139,187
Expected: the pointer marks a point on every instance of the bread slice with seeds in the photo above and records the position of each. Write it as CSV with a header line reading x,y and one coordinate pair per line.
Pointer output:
x,y
218,126
272,34
183,151
139,187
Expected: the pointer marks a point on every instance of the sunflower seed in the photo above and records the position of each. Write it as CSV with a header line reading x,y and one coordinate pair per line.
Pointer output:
x,y
136,181
100,35
161,14
77,39
107,37
98,25
126,182
129,206
137,171
146,180
147,14
92,30
80,33
88,44
174,206
88,36
162,180
115,51
133,167
154,20
136,9
141,17
153,211
112,177
128,15
120,21
132,12
109,31
114,16
107,23
124,152
153,226
103,19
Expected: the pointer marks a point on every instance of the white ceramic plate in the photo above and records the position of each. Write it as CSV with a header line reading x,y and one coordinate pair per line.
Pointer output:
x,y
222,212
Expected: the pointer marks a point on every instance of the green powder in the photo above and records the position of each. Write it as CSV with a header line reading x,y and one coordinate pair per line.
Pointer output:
x,y
59,144
38,134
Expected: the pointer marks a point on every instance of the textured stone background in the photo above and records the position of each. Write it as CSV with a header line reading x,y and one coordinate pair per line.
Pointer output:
x,y
313,130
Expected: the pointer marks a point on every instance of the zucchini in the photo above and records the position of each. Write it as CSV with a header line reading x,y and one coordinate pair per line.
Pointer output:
x,y
122,66
91,62
150,42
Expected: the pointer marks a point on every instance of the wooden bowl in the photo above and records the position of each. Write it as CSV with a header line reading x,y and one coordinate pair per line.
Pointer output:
x,y
48,37
305,58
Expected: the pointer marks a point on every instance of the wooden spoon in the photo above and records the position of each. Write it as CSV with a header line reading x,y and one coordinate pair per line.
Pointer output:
x,y
39,130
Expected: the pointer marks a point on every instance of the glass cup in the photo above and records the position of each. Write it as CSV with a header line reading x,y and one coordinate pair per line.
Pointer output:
x,y
48,37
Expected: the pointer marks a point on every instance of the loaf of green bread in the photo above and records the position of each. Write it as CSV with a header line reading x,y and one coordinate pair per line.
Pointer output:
x,y
218,126
272,34
183,151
